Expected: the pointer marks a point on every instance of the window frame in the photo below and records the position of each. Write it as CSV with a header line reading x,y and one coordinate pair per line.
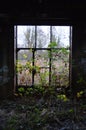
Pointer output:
x,y
35,49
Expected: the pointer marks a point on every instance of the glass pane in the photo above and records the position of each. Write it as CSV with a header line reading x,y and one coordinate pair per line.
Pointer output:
x,y
60,35
42,58
42,77
43,36
60,67
25,36
24,64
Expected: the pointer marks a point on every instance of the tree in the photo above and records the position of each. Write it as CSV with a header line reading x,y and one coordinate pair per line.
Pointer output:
x,y
56,37
41,38
30,37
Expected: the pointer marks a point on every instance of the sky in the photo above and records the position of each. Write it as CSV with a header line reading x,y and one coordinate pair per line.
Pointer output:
x,y
62,31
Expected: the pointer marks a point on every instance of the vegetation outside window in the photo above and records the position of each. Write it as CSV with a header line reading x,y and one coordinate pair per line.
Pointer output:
x,y
43,55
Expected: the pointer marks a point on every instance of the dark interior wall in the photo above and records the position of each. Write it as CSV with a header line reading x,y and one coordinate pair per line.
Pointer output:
x,y
79,57
6,60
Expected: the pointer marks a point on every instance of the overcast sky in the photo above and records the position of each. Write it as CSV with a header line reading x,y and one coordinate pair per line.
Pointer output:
x,y
63,31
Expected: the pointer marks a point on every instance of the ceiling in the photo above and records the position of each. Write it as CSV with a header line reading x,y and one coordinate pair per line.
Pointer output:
x,y
43,9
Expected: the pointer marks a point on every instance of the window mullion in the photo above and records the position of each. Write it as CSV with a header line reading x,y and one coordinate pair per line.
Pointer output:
x,y
33,56
50,67
35,36
70,57
50,33
50,58
16,56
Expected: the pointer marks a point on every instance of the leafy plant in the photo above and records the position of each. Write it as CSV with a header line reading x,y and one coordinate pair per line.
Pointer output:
x,y
52,45
21,91
62,97
19,66
59,76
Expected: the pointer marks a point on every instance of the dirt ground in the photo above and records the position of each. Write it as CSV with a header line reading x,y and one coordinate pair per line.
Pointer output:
x,y
42,114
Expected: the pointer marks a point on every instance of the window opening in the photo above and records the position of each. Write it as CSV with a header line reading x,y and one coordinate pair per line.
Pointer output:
x,y
43,55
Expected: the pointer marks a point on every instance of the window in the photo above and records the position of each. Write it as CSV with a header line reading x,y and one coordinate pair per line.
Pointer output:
x,y
43,55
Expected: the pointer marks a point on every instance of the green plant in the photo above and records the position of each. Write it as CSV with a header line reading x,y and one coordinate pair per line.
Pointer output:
x,y
21,91
12,123
43,78
59,76
19,66
62,97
